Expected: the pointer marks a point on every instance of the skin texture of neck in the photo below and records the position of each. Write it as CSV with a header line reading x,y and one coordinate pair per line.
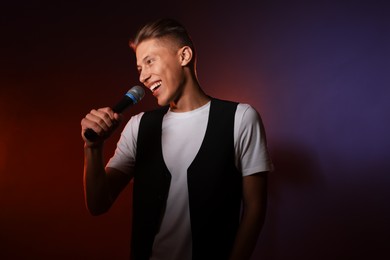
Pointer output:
x,y
192,97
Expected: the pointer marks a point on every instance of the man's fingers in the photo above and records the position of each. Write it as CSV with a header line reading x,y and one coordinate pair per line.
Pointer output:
x,y
102,121
102,118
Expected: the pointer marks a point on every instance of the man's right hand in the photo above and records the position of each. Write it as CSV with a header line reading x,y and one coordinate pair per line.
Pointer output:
x,y
103,121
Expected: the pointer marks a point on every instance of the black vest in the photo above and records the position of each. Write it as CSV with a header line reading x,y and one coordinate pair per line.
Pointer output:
x,y
214,186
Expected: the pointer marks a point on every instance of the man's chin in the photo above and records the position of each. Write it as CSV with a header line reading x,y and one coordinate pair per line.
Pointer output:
x,y
162,103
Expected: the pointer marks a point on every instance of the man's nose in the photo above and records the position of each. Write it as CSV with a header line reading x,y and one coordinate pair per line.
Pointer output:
x,y
144,76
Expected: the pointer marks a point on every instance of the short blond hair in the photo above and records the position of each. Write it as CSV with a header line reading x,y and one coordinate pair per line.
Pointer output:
x,y
164,29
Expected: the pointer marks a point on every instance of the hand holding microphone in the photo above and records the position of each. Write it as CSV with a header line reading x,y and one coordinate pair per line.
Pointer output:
x,y
100,123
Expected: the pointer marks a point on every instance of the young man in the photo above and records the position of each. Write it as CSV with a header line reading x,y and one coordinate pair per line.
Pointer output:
x,y
199,164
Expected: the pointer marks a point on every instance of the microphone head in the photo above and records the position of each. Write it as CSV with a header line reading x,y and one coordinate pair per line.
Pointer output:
x,y
132,97
137,93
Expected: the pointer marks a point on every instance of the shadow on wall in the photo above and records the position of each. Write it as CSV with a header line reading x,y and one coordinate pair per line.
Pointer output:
x,y
293,187
314,214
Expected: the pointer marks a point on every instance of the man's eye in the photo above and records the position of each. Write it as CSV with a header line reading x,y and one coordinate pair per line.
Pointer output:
x,y
149,62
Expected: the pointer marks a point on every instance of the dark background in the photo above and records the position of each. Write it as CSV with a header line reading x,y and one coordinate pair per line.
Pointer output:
x,y
317,71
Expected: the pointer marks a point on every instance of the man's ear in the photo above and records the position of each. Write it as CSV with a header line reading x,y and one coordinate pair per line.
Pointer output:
x,y
186,55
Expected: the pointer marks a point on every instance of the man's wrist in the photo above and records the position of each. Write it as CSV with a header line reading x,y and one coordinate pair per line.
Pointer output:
x,y
93,146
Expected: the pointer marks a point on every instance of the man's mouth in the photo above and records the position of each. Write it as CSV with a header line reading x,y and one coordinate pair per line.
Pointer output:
x,y
155,86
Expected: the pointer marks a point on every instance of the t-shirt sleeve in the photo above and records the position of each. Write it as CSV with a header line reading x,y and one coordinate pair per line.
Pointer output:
x,y
252,154
125,152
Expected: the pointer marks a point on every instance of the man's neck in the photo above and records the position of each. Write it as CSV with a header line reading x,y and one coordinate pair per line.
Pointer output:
x,y
192,98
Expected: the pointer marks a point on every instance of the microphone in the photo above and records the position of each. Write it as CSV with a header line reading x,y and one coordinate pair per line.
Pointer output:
x,y
132,97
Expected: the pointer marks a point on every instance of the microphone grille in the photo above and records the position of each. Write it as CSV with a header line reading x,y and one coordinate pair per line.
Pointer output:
x,y
137,92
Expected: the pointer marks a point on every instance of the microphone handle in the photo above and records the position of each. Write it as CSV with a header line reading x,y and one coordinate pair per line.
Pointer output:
x,y
91,135
123,104
118,108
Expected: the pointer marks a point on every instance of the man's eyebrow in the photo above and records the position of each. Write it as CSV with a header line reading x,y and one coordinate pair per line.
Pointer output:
x,y
146,58
143,60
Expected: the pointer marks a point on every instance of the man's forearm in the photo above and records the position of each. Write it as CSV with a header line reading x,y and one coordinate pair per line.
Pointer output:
x,y
96,189
247,235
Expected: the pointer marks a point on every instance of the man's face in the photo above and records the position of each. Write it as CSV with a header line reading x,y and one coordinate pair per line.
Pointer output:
x,y
159,66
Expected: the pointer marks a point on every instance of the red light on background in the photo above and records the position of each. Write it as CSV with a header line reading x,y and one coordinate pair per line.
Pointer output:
x,y
3,155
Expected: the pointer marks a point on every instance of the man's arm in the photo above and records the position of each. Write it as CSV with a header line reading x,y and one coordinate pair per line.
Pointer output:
x,y
254,209
101,186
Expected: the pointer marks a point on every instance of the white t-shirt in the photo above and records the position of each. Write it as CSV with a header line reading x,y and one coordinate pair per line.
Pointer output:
x,y
182,135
